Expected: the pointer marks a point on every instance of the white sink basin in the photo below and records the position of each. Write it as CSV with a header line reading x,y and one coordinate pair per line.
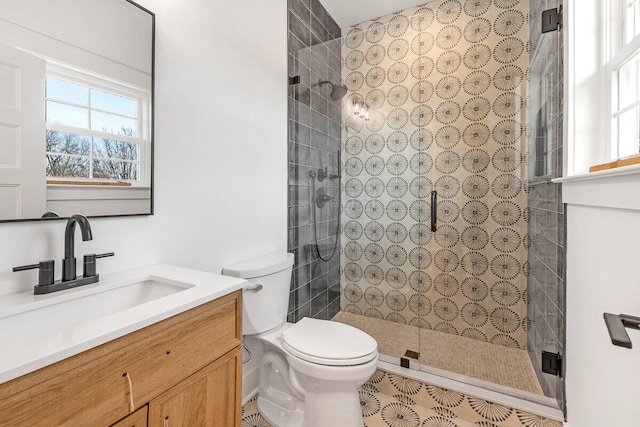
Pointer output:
x,y
38,330
85,308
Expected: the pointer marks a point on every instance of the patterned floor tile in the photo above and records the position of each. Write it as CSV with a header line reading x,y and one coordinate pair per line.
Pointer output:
x,y
390,400
250,415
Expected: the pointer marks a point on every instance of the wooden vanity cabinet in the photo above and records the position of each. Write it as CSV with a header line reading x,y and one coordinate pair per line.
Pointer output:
x,y
137,419
203,399
181,359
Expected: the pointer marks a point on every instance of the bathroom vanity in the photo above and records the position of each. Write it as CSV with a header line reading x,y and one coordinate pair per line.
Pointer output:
x,y
167,358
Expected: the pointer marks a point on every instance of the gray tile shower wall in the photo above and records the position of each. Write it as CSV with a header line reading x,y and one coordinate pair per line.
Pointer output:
x,y
314,141
546,228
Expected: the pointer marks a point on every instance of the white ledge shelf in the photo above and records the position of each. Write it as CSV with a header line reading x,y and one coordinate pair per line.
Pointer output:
x,y
617,188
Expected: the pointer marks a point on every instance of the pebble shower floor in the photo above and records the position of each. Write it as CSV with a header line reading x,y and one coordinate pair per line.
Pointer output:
x,y
390,400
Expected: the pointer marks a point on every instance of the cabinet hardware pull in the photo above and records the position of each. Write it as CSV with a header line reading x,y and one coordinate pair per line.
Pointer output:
x,y
434,211
132,407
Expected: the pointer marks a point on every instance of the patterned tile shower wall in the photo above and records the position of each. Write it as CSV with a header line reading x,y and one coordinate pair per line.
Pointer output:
x,y
445,88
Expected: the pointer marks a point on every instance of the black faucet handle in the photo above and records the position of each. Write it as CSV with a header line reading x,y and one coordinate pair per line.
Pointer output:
x,y
105,255
46,271
89,265
26,267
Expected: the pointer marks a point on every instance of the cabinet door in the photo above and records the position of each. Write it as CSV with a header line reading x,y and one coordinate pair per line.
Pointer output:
x,y
137,419
209,398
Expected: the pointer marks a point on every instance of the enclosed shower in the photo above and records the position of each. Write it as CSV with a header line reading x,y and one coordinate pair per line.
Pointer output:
x,y
446,111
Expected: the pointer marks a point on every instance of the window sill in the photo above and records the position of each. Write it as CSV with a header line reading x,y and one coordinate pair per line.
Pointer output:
x,y
89,183
612,188
97,185
98,200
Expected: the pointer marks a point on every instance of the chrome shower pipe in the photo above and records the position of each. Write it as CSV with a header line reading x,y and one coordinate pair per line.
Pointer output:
x,y
332,177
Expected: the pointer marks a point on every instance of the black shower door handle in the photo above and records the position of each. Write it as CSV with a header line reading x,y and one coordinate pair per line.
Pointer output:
x,y
434,211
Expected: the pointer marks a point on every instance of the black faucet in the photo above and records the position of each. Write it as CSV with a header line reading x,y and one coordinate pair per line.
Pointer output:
x,y
69,261
46,282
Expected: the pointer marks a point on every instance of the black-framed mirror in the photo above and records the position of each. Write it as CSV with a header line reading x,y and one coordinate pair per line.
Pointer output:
x,y
76,109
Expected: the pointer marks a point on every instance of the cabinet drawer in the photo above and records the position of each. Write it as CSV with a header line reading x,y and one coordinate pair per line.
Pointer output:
x,y
137,419
90,389
158,362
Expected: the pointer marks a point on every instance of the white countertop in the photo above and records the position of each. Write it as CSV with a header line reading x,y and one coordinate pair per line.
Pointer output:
x,y
28,347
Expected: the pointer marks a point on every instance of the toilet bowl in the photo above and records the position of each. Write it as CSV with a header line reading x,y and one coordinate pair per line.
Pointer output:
x,y
310,371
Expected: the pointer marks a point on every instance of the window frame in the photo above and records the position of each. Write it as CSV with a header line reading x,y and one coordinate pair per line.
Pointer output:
x,y
618,52
109,85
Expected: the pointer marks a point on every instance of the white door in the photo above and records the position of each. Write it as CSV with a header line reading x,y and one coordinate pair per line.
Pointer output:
x,y
22,135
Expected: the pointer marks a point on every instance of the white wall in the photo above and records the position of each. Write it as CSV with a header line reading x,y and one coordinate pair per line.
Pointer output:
x,y
88,26
603,231
221,182
221,148
586,129
602,272
132,239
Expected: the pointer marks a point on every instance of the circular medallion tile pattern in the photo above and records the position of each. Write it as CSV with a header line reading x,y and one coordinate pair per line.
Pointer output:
x,y
391,400
445,85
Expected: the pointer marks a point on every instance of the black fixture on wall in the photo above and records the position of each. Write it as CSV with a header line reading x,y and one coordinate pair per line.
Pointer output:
x,y
552,363
552,20
617,324
319,199
337,91
295,80
46,269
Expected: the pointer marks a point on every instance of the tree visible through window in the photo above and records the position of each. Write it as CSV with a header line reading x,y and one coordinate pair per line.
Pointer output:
x,y
92,133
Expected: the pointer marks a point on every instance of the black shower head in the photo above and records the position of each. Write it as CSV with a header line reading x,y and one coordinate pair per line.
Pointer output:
x,y
337,91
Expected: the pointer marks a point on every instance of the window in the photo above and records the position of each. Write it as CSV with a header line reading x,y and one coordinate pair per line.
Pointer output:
x,y
97,129
624,73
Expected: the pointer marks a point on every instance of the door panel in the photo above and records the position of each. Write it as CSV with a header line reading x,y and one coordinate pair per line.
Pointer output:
x,y
209,398
22,135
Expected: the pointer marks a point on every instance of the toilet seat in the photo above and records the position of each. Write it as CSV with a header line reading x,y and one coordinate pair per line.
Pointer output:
x,y
329,343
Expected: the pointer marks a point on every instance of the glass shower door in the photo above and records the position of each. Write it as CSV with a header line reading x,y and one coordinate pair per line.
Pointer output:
x,y
478,251
383,229
471,86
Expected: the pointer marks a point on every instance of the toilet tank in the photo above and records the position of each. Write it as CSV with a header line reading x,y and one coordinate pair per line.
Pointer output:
x,y
265,300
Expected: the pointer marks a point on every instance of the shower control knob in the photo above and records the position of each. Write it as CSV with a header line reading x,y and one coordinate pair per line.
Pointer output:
x,y
322,174
322,198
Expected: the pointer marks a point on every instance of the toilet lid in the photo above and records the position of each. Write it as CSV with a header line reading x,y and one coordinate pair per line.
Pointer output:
x,y
330,343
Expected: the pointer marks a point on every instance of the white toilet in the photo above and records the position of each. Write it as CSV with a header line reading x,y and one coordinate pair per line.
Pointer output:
x,y
310,371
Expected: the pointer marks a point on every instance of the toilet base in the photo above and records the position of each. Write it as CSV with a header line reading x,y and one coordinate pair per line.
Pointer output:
x,y
278,416
339,409
344,412
296,393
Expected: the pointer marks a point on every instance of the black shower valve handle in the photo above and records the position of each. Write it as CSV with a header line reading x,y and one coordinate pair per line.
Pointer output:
x,y
323,173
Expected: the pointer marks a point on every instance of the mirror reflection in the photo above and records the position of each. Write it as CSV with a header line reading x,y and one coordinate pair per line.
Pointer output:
x,y
75,108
